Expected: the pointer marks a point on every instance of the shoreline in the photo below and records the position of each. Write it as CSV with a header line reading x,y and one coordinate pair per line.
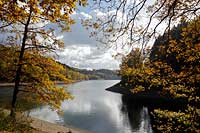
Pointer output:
x,y
6,84
48,127
45,126
42,126
145,97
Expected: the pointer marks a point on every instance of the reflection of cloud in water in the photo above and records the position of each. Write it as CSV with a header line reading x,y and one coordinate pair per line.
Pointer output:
x,y
45,113
98,110
76,106
145,126
113,105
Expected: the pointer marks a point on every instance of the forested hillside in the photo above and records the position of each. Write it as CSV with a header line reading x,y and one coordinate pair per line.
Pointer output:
x,y
83,74
7,67
101,74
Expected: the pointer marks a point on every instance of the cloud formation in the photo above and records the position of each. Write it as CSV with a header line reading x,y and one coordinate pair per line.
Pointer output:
x,y
88,57
84,52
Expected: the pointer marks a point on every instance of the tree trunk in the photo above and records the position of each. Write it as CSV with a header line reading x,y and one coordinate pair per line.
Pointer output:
x,y
19,69
16,90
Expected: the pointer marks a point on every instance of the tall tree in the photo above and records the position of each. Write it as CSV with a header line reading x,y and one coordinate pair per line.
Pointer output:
x,y
176,73
30,25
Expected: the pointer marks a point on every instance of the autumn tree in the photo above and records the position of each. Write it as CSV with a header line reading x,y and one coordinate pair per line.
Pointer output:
x,y
31,26
175,73
131,62
138,22
181,81
176,70
6,63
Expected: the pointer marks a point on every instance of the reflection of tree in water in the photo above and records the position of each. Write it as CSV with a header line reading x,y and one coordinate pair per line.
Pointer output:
x,y
133,114
137,115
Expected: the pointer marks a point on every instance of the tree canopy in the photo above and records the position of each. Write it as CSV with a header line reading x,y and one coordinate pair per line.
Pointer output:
x,y
173,70
29,28
133,22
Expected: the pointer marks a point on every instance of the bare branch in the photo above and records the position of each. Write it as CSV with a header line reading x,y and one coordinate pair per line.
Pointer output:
x,y
163,12
6,25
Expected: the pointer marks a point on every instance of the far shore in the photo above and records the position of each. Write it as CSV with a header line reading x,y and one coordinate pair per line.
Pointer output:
x,y
6,84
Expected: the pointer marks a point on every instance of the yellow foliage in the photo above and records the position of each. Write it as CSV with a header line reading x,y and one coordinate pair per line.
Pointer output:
x,y
41,74
31,63
55,12
169,121
179,81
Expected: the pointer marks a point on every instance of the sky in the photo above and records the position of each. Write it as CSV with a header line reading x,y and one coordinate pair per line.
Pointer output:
x,y
82,51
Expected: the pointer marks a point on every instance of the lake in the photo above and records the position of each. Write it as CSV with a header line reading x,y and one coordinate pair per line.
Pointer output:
x,y
97,110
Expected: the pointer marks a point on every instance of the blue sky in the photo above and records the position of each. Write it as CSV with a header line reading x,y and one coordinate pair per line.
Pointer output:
x,y
82,51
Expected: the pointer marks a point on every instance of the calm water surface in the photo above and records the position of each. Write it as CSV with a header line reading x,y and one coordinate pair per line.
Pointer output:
x,y
98,110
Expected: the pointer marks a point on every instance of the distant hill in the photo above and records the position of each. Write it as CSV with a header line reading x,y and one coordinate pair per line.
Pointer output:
x,y
70,73
101,74
84,74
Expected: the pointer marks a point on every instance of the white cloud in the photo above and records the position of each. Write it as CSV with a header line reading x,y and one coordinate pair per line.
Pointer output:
x,y
85,15
98,13
83,51
60,37
88,57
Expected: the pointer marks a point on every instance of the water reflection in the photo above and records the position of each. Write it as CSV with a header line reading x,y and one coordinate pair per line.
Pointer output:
x,y
45,113
5,95
99,111
137,115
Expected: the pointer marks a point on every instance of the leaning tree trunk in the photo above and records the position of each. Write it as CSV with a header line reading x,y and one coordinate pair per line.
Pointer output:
x,y
19,67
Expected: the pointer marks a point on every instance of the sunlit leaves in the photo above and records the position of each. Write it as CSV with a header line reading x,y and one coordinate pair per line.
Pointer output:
x,y
56,12
174,71
42,74
168,121
32,24
39,72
